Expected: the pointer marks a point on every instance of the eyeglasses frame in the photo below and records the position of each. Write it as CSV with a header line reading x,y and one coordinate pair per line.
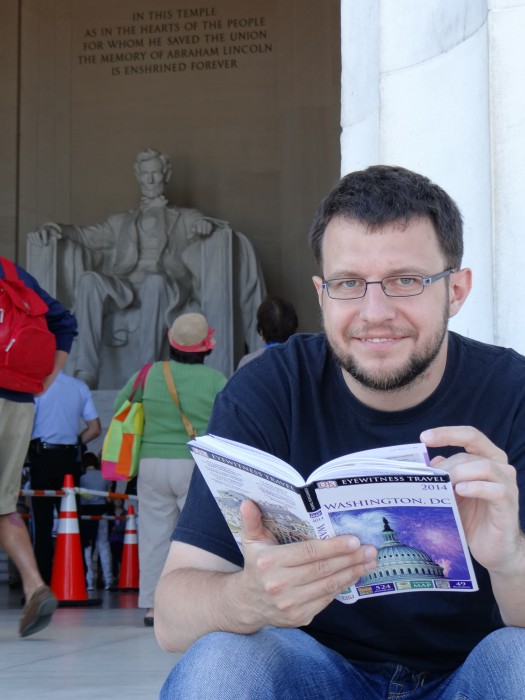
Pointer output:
x,y
426,281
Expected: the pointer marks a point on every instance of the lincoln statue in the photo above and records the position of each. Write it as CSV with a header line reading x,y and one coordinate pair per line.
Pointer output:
x,y
150,260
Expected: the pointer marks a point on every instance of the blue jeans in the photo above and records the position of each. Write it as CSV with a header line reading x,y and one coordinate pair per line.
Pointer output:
x,y
287,664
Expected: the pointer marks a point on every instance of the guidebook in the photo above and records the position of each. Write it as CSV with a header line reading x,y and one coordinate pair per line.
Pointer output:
x,y
389,497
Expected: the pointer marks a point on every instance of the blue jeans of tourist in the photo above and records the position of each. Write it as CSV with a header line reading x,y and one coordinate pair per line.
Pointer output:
x,y
287,664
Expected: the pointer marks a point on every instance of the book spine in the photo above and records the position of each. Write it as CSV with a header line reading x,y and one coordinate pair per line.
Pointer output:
x,y
310,500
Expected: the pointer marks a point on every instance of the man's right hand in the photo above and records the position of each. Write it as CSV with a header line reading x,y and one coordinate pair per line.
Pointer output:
x,y
287,585
42,236
284,585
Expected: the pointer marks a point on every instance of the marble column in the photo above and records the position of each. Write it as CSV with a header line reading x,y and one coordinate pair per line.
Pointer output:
x,y
415,92
507,115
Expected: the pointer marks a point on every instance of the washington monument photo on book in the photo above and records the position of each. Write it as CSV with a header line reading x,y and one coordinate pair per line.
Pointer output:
x,y
389,497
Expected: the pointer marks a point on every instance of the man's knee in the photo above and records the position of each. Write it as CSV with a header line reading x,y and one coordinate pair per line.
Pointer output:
x,y
212,655
504,647
269,664
496,664
205,661
253,674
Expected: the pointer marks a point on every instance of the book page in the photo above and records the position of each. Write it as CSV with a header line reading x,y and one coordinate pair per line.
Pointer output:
x,y
415,453
413,521
250,455
232,481
411,456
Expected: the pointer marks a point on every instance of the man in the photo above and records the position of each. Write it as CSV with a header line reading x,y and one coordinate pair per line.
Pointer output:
x,y
145,248
94,533
276,322
388,244
54,451
16,421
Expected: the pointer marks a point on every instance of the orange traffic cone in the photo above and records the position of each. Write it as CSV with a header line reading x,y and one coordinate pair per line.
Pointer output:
x,y
129,568
67,578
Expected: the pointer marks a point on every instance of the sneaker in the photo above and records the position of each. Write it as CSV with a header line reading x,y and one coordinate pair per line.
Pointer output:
x,y
37,611
90,587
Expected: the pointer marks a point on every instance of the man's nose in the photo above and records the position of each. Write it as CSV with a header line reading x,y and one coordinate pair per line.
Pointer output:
x,y
375,305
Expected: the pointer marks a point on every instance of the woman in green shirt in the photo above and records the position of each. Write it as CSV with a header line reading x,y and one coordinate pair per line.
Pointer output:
x,y
166,466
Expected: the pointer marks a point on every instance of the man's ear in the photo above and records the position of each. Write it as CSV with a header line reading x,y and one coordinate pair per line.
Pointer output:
x,y
459,289
318,284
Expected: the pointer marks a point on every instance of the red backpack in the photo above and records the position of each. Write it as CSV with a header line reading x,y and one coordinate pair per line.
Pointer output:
x,y
27,346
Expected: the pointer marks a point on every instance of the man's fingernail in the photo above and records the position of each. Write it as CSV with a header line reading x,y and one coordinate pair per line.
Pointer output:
x,y
370,553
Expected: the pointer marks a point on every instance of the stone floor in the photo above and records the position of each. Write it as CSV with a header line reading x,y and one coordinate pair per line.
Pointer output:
x,y
86,653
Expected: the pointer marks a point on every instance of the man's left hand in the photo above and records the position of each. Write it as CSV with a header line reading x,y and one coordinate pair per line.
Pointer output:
x,y
486,493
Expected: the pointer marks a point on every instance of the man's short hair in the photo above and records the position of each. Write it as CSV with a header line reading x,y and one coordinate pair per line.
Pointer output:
x,y
383,194
276,319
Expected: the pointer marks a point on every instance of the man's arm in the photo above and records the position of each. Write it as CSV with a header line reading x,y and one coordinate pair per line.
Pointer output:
x,y
60,362
180,620
488,502
280,585
91,431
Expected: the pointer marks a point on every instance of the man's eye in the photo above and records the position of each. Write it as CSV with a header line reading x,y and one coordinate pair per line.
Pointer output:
x,y
349,284
404,281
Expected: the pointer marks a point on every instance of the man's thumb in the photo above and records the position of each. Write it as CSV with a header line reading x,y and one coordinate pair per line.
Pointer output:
x,y
252,527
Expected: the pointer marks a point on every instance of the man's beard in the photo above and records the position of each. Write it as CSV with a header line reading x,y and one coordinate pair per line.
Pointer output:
x,y
416,365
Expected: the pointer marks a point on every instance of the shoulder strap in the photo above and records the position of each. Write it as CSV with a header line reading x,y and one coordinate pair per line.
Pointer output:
x,y
10,273
174,395
140,380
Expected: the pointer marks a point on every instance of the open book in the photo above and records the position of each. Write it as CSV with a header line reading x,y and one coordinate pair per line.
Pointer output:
x,y
389,497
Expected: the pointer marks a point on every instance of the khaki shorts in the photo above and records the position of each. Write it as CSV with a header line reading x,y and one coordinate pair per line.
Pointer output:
x,y
16,424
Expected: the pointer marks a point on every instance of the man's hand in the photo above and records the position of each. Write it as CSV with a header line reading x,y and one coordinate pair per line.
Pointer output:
x,y
486,494
287,585
42,236
284,585
60,362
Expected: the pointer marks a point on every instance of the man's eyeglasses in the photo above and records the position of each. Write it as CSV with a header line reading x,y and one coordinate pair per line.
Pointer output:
x,y
394,286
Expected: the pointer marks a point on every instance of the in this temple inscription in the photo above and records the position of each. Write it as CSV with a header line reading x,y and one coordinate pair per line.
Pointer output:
x,y
128,277
174,41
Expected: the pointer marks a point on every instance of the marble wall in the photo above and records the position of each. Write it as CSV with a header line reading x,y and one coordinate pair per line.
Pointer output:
x,y
9,129
244,97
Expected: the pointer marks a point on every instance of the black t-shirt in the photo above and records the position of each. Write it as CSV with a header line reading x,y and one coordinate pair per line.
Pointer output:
x,y
293,402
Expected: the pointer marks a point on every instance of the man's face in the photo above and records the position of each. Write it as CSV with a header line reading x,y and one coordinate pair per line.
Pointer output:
x,y
386,343
150,176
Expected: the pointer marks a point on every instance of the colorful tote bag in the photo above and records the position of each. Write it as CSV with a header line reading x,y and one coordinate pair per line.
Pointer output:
x,y
120,452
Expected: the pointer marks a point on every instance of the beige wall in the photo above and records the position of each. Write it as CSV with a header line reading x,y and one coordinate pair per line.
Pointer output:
x,y
8,127
253,137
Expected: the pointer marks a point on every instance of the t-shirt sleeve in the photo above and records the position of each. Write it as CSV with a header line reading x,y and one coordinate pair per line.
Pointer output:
x,y
202,524
89,411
